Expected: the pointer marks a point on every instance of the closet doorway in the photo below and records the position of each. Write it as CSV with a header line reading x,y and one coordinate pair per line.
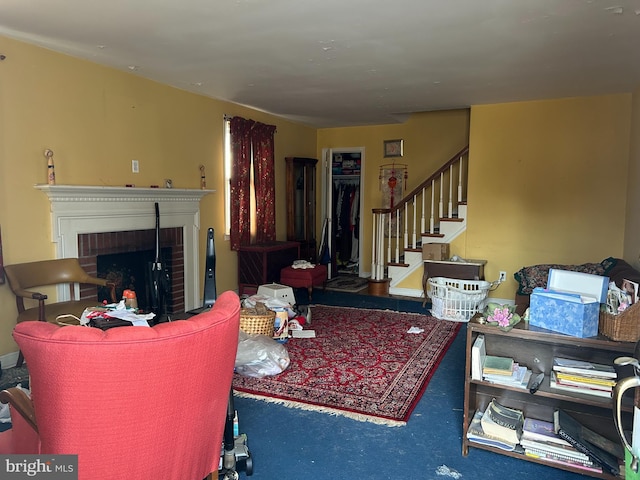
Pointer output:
x,y
340,242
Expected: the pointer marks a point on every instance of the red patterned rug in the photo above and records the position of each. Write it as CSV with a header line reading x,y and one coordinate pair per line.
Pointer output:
x,y
363,364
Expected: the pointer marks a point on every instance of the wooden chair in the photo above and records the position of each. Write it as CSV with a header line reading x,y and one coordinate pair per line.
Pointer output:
x,y
24,277
22,437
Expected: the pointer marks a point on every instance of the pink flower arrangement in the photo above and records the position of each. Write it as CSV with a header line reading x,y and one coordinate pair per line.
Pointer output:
x,y
503,316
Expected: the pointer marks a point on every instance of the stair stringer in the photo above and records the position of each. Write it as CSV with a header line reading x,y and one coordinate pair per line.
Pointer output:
x,y
413,259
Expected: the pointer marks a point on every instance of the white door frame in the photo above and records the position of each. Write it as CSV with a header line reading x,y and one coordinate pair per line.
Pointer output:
x,y
326,210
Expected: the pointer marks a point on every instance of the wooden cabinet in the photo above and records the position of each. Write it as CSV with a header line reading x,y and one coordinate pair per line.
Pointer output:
x,y
535,348
301,204
261,264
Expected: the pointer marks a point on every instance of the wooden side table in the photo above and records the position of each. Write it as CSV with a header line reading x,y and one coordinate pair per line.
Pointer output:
x,y
261,264
467,270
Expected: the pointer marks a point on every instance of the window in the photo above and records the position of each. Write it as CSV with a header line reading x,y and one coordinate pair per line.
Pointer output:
x,y
227,177
228,169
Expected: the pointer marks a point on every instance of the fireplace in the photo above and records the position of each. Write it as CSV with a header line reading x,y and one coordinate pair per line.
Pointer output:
x,y
88,221
123,257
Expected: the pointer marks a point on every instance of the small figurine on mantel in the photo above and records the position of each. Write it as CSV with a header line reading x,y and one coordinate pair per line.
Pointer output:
x,y
203,180
51,173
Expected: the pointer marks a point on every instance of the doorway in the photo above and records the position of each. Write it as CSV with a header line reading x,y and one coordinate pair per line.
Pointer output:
x,y
342,202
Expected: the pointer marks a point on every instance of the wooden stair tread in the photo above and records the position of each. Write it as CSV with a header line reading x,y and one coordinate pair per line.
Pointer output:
x,y
393,264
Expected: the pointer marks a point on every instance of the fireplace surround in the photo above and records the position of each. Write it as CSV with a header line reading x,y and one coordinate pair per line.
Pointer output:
x,y
79,210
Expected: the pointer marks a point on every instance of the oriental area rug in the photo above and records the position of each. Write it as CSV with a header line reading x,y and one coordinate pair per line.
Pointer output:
x,y
365,364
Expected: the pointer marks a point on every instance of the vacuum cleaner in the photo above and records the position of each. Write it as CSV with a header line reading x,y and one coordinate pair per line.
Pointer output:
x,y
235,456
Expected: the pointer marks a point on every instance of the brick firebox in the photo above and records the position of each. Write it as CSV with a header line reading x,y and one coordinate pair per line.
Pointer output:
x,y
91,245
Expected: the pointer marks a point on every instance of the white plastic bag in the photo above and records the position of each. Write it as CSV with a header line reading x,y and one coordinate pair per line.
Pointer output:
x,y
259,356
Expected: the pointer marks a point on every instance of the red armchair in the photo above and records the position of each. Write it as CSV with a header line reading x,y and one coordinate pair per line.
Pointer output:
x,y
135,402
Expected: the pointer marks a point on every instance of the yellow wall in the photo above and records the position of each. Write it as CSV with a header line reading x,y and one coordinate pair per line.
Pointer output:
x,y
430,139
547,183
632,229
96,120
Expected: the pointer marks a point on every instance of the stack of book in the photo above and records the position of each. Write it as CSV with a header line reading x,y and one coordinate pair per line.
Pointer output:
x,y
519,377
602,451
476,433
504,371
502,423
539,440
578,376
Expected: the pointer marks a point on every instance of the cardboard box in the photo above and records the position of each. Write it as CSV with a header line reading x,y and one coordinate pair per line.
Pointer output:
x,y
585,284
570,304
435,251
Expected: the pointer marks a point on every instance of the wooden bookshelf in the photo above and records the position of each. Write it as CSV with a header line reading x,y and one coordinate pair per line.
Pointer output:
x,y
535,347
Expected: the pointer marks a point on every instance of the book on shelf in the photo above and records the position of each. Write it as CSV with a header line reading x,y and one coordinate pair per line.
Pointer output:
x,y
497,365
587,466
478,354
582,367
502,422
583,389
586,379
519,378
574,432
541,430
505,416
594,386
477,434
567,451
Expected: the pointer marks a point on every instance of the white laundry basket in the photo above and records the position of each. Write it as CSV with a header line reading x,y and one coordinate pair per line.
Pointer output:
x,y
457,300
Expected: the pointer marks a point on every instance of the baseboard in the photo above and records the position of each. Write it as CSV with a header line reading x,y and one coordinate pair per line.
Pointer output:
x,y
9,360
406,292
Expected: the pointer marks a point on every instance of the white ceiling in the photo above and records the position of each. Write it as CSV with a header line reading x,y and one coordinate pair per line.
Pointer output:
x,y
330,63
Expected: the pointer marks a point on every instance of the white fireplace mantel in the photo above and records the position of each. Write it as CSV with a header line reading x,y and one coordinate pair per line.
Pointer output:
x,y
78,209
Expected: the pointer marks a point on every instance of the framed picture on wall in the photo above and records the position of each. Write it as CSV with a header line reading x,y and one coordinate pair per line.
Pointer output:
x,y
393,148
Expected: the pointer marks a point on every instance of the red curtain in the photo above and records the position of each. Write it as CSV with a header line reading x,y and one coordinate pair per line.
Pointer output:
x,y
252,140
240,130
264,181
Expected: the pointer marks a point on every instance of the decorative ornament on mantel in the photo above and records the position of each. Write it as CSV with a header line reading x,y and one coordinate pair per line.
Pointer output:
x,y
51,173
203,179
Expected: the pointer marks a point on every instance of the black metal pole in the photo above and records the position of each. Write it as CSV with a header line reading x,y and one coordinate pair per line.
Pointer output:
x,y
155,273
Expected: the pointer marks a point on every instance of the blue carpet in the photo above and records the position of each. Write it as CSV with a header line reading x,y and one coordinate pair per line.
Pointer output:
x,y
355,300
291,444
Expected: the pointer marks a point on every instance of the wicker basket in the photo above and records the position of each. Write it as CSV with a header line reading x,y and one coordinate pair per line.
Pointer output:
x,y
252,322
624,327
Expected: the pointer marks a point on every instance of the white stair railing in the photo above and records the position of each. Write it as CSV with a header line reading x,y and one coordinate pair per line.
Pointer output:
x,y
386,239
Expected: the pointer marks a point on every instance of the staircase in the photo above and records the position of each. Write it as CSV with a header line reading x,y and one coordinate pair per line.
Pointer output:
x,y
435,211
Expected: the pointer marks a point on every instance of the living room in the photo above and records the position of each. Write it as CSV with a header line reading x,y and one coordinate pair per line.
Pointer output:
x,y
550,181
